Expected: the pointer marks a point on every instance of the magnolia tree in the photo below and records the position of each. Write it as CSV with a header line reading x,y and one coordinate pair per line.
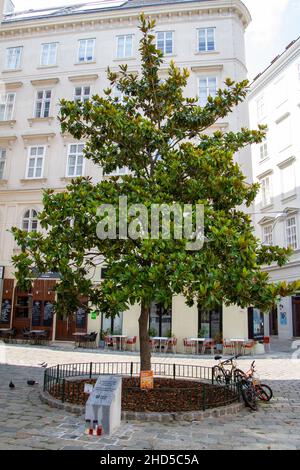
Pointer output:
x,y
159,135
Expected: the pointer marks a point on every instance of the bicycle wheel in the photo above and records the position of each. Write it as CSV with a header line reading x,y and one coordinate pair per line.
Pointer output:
x,y
249,395
221,376
239,375
264,392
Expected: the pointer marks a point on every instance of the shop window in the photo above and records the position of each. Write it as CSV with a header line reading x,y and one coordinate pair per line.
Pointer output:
x,y
160,320
210,323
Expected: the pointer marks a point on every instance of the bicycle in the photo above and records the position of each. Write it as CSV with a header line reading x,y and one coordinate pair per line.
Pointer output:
x,y
263,391
249,385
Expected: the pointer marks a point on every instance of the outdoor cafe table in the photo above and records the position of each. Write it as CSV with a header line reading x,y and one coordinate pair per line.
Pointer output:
x,y
120,339
78,336
199,341
238,344
161,340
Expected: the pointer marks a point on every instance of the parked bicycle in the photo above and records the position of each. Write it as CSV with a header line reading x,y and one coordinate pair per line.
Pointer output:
x,y
226,372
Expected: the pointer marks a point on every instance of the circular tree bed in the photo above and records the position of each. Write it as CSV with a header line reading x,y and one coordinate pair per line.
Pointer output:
x,y
168,395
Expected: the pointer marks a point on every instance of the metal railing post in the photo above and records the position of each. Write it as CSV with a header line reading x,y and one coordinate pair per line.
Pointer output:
x,y
91,370
174,371
131,369
57,373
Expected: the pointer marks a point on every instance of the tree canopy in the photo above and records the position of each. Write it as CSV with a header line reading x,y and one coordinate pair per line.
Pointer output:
x,y
165,141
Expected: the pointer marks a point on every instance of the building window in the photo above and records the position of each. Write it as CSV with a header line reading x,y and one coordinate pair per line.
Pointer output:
x,y
13,58
42,104
7,102
268,235
164,42
30,221
119,171
112,325
35,163
288,181
263,150
75,160
124,46
266,197
291,232
206,39
261,108
86,50
207,87
48,54
284,133
160,323
82,93
2,162
210,324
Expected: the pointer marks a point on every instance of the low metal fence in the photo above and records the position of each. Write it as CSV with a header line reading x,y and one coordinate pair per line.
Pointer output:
x,y
60,381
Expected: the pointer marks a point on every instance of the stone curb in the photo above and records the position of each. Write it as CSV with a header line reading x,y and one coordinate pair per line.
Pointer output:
x,y
232,409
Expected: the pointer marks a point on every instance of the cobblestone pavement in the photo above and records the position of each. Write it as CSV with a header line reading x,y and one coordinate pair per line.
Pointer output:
x,y
26,423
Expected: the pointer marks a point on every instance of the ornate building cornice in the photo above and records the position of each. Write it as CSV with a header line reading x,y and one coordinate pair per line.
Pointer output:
x,y
181,12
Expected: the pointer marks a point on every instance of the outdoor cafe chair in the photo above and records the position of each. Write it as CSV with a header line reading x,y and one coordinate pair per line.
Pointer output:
x,y
248,347
267,343
189,346
172,343
131,343
228,346
208,344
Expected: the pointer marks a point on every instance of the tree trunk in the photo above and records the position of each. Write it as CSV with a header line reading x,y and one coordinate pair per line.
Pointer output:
x,y
145,352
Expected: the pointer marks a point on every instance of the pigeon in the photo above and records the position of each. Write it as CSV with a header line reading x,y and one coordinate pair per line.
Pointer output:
x,y
11,385
43,364
31,382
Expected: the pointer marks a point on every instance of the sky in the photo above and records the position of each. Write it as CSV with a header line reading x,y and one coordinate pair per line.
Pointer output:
x,y
275,23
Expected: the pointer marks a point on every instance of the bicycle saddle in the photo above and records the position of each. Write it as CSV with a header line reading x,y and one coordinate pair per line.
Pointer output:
x,y
217,358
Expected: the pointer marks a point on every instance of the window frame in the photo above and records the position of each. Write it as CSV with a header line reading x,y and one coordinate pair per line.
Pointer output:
x,y
43,101
85,60
82,87
76,163
265,202
41,56
287,228
18,64
265,234
35,157
263,150
207,77
124,47
3,161
199,51
165,41
6,105
30,219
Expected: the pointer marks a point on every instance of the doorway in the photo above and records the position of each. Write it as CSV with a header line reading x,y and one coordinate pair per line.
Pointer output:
x,y
273,319
296,316
210,323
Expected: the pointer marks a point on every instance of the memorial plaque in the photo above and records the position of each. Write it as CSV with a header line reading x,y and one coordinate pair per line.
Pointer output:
x,y
48,313
104,403
88,388
5,311
36,313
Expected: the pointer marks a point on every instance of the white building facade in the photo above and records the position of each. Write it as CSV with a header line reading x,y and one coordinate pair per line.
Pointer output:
x,y
275,101
59,53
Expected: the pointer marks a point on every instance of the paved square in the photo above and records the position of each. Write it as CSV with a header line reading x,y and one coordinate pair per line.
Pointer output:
x,y
26,423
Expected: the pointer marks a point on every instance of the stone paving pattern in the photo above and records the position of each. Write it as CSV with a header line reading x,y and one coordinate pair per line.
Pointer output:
x,y
26,423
